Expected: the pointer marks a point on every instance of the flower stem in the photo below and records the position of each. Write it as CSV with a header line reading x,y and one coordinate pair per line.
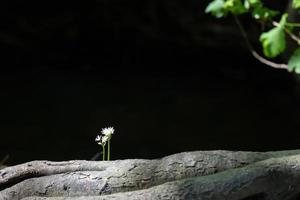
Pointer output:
x,y
108,150
103,152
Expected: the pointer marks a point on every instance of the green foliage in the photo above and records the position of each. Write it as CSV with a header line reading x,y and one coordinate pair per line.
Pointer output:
x,y
263,13
252,4
216,8
236,7
294,62
220,8
273,41
296,4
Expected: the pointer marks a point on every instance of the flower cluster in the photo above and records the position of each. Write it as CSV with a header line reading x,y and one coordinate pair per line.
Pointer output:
x,y
104,138
101,140
108,131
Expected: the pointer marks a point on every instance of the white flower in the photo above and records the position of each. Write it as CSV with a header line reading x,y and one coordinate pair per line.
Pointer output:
x,y
105,138
108,131
98,138
101,140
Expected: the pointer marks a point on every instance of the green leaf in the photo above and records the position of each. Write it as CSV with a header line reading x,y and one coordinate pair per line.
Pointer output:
x,y
296,4
216,8
247,4
294,62
263,13
253,3
273,41
236,7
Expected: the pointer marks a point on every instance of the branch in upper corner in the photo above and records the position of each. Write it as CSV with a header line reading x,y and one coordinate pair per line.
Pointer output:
x,y
292,35
254,53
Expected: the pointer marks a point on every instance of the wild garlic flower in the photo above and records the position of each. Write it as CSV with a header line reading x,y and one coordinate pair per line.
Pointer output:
x,y
98,138
104,138
101,140
108,131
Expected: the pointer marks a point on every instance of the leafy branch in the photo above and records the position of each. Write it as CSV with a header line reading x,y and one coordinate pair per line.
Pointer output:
x,y
288,31
273,41
254,53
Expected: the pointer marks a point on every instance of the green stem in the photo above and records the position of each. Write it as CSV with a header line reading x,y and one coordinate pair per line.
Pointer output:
x,y
253,52
103,152
108,150
292,24
289,32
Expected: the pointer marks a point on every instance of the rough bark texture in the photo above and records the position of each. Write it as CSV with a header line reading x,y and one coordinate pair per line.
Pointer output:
x,y
190,175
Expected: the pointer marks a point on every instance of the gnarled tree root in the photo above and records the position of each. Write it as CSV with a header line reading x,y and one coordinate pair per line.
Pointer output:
x,y
190,175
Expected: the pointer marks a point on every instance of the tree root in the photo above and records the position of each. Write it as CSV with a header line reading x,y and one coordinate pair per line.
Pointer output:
x,y
190,175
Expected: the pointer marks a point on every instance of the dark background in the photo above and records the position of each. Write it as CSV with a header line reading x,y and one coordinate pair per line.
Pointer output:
x,y
165,75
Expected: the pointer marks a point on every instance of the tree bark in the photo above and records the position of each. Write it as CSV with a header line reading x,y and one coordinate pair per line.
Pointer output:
x,y
189,175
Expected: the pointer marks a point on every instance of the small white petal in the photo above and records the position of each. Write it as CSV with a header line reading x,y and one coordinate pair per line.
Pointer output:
x,y
98,138
105,138
108,131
